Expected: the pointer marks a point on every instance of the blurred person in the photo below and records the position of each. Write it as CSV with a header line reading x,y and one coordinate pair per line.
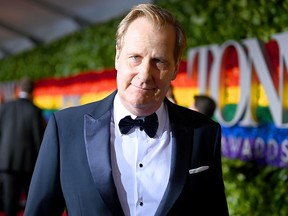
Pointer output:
x,y
21,131
204,104
134,152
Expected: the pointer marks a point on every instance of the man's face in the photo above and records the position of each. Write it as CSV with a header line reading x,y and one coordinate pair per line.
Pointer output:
x,y
145,66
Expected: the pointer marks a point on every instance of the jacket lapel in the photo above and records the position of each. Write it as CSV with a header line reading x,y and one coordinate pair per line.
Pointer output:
x,y
97,143
181,152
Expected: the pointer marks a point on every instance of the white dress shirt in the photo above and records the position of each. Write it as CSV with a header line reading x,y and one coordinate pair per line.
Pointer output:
x,y
140,164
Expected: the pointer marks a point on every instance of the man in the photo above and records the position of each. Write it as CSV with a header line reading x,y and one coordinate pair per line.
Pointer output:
x,y
204,104
21,132
93,162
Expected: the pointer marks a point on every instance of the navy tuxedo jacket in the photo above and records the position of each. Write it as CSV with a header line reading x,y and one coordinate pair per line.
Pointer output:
x,y
73,169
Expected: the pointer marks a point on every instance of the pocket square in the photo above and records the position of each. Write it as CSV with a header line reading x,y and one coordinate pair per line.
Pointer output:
x,y
199,169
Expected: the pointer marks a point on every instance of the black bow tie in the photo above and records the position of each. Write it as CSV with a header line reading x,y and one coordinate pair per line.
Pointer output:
x,y
149,124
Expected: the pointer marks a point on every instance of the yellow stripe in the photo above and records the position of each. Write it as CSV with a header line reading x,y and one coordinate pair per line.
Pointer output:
x,y
89,97
48,102
184,96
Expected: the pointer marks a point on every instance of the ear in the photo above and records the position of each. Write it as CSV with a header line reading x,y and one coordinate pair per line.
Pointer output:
x,y
175,72
117,57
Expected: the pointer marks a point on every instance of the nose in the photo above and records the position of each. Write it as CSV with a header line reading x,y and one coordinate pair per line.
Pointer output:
x,y
145,71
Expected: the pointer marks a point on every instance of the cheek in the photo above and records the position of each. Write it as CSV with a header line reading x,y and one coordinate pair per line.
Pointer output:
x,y
165,79
121,81
124,78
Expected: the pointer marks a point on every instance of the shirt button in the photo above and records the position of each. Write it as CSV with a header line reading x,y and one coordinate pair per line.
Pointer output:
x,y
141,203
140,165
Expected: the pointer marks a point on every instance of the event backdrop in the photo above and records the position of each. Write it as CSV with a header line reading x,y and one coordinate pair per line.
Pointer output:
x,y
262,141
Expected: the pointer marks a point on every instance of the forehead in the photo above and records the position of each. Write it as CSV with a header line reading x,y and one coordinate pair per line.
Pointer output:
x,y
144,30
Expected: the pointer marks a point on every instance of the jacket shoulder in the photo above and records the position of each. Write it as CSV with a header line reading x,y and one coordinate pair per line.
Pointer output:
x,y
190,118
94,109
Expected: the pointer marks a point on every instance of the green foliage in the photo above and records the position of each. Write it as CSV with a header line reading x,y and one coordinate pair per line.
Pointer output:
x,y
255,190
92,48
206,22
216,21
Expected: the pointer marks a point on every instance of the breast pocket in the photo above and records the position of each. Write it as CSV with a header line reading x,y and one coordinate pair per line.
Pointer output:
x,y
199,178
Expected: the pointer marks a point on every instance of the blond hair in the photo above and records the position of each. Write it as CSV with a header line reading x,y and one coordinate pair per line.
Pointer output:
x,y
158,16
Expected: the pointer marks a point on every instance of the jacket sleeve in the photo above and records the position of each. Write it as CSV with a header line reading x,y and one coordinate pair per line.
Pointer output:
x,y
45,196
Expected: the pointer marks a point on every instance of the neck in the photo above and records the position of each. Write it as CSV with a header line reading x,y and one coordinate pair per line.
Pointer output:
x,y
141,110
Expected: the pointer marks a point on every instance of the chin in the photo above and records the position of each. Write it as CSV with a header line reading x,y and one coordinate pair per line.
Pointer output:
x,y
138,103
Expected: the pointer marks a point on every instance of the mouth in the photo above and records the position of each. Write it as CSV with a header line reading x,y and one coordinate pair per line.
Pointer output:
x,y
143,88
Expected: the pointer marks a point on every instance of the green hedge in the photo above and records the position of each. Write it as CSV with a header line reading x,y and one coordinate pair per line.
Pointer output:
x,y
90,49
251,190
254,190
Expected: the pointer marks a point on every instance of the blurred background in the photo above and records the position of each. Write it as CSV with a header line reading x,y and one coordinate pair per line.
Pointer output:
x,y
68,48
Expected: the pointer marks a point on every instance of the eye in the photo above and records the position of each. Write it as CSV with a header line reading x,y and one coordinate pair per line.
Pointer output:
x,y
160,64
134,57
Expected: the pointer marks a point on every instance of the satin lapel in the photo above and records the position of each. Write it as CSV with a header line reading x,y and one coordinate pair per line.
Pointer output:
x,y
182,140
97,142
